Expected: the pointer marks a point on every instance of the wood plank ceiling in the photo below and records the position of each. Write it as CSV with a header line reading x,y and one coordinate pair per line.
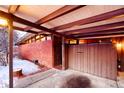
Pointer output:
x,y
70,21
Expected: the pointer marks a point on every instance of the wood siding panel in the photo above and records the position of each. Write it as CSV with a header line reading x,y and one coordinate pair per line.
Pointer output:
x,y
96,59
113,64
100,62
103,60
70,56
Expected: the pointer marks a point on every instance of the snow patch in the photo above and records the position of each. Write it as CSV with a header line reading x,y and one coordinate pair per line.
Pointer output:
x,y
26,66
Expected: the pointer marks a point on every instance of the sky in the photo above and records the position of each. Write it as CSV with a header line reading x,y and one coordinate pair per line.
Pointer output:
x,y
20,33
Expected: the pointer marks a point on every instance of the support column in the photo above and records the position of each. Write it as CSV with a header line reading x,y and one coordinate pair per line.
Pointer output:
x,y
10,37
53,51
64,55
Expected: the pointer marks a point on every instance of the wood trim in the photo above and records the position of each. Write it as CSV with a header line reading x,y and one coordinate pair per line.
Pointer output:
x,y
13,8
60,12
94,28
93,19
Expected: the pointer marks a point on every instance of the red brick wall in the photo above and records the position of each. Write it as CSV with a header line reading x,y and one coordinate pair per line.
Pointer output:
x,y
41,51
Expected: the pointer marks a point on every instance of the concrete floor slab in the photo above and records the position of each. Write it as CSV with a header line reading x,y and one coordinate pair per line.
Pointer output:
x,y
50,82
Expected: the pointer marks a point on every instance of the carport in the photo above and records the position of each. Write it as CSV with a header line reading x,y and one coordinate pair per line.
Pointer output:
x,y
85,38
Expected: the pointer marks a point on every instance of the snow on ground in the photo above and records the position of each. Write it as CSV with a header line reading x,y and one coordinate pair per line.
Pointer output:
x,y
26,66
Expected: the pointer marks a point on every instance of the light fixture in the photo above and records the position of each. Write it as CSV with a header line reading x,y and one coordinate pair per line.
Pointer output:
x,y
38,36
100,41
82,41
3,22
119,46
73,41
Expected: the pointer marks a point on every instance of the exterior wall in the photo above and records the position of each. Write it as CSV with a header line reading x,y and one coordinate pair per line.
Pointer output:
x,y
41,51
96,59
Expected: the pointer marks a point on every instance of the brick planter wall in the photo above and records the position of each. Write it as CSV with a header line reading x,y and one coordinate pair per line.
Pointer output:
x,y
41,51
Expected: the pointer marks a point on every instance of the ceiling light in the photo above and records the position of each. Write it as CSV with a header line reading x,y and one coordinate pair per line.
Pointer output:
x,y
3,22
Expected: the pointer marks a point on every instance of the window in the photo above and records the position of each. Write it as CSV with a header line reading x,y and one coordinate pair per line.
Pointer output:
x,y
43,39
73,41
38,36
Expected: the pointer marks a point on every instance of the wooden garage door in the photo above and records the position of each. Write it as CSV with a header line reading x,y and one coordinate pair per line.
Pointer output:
x,y
96,59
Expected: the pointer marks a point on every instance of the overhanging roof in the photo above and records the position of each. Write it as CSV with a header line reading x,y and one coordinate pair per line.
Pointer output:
x,y
57,19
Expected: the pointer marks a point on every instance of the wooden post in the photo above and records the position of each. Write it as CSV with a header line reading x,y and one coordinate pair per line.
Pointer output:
x,y
10,37
53,50
63,55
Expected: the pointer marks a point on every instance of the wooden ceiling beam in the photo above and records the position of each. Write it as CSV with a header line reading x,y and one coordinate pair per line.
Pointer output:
x,y
60,12
100,33
104,35
22,29
13,9
92,19
94,28
115,30
28,23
